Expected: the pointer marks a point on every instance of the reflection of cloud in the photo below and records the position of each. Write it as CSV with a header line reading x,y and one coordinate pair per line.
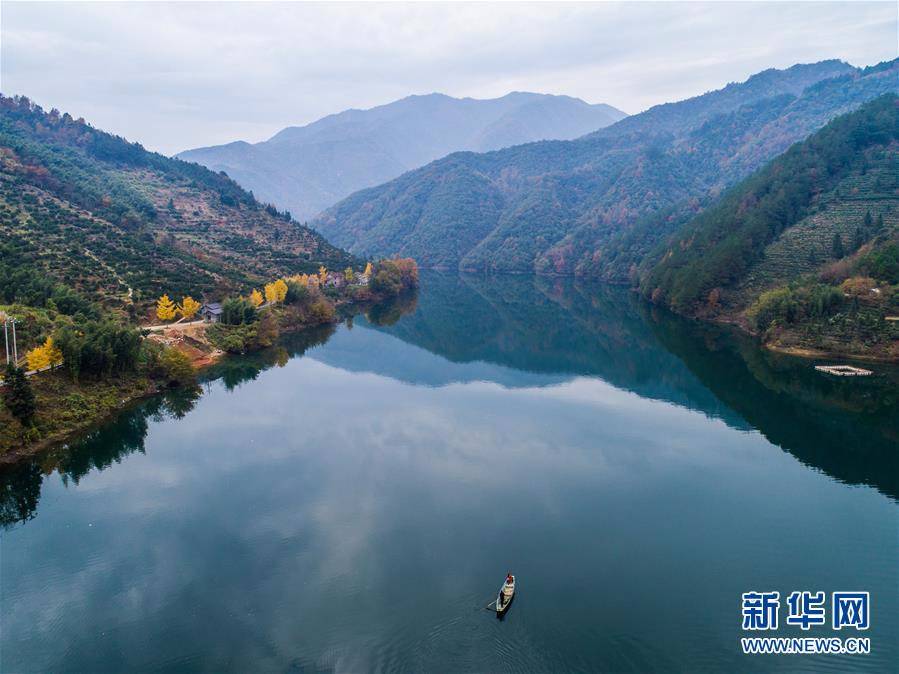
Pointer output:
x,y
357,483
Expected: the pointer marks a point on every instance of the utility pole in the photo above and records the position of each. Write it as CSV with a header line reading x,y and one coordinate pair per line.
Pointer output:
x,y
15,352
6,336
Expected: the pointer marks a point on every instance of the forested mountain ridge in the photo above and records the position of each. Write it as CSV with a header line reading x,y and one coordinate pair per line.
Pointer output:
x,y
123,225
596,205
306,169
806,250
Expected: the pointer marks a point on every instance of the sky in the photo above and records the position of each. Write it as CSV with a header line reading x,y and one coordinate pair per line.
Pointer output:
x,y
175,76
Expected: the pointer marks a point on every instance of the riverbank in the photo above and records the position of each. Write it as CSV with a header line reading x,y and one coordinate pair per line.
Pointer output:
x,y
66,409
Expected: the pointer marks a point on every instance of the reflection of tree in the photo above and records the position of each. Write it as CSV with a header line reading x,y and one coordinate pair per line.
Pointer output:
x,y
20,484
847,428
392,310
20,490
235,370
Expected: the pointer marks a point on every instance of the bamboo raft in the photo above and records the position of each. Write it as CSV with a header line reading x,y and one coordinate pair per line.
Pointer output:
x,y
843,370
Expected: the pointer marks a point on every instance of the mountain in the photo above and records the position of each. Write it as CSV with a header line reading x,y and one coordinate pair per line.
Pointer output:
x,y
305,169
806,250
596,205
123,225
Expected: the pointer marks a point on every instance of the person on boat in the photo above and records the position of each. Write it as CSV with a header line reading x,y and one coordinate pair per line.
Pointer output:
x,y
509,579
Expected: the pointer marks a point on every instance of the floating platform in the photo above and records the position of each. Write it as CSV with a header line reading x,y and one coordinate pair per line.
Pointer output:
x,y
843,370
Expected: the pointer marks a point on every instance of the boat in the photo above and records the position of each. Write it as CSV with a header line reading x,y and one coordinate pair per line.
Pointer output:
x,y
505,596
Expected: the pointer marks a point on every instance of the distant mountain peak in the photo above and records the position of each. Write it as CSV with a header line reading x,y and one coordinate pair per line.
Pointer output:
x,y
593,206
305,169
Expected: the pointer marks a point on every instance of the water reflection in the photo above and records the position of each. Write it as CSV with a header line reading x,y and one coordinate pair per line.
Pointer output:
x,y
20,484
540,331
532,425
846,427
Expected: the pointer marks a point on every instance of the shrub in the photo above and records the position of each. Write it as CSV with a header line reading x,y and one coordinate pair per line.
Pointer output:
x,y
174,368
391,277
883,264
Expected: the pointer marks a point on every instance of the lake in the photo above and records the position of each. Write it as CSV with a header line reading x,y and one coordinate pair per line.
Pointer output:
x,y
351,500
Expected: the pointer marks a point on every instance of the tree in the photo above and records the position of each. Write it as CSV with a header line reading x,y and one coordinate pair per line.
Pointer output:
x,y
174,367
867,220
189,307
165,308
858,239
99,348
367,271
280,290
267,330
44,356
256,297
883,264
837,246
238,310
322,274
297,292
348,274
18,396
394,276
271,295
858,286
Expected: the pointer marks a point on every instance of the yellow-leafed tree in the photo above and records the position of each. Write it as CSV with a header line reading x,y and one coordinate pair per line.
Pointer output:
x,y
367,271
322,274
165,308
271,295
348,275
280,290
256,297
44,356
189,307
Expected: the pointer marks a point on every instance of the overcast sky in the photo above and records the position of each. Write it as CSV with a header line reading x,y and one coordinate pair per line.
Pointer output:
x,y
177,76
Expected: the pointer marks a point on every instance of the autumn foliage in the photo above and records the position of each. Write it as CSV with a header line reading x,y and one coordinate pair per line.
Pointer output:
x,y
165,309
189,307
43,356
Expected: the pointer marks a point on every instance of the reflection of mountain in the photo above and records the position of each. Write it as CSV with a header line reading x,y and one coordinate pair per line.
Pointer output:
x,y
541,331
523,331
849,428
557,328
366,350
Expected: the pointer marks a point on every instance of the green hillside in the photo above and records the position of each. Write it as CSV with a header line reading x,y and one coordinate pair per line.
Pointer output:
x,y
123,225
596,205
806,251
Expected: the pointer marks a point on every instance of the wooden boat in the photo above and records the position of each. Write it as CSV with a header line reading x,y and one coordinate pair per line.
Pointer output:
x,y
505,596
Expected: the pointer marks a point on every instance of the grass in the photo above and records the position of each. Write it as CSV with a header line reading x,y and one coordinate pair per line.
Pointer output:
x,y
65,407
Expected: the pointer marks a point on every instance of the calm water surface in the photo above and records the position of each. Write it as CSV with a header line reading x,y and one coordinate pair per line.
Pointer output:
x,y
351,500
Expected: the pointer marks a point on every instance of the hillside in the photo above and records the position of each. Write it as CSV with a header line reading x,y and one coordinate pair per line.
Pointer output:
x,y
806,251
308,168
596,205
123,225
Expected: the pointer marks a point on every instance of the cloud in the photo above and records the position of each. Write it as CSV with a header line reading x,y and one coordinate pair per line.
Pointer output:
x,y
180,75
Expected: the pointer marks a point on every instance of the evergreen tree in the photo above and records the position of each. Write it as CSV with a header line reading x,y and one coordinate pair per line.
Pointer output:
x,y
859,238
17,395
837,248
867,221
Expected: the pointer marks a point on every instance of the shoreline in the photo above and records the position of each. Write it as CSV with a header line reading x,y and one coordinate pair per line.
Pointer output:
x,y
188,340
810,353
63,438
